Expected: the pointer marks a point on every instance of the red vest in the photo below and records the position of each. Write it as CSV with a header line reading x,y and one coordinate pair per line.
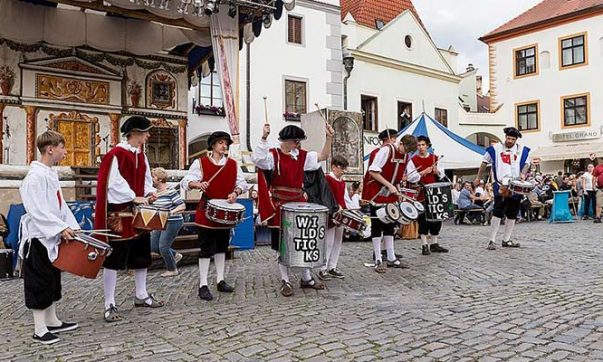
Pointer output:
x,y
393,171
338,189
422,163
285,185
219,188
373,154
132,167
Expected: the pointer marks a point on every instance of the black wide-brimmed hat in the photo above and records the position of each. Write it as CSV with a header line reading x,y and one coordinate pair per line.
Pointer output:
x,y
216,136
292,132
135,123
387,133
512,132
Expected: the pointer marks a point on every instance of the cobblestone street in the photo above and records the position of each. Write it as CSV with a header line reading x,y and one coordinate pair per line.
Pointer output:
x,y
540,302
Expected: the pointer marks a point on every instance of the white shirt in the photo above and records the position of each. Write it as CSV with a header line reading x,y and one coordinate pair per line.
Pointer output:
x,y
355,202
588,181
479,190
118,189
506,169
455,196
195,173
346,195
263,158
381,159
45,217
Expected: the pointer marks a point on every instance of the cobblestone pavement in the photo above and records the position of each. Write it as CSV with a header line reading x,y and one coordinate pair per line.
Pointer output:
x,y
540,302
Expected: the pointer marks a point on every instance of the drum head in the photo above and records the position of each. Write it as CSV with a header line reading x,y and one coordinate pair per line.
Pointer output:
x,y
225,205
419,206
392,211
408,210
438,185
304,207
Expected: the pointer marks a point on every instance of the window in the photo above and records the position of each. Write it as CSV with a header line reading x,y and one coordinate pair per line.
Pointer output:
x,y
575,110
441,115
295,30
369,113
210,93
527,116
295,97
525,61
404,114
573,50
408,41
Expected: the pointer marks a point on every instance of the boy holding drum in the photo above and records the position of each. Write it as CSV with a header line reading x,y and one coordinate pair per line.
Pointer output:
x,y
218,177
427,164
47,221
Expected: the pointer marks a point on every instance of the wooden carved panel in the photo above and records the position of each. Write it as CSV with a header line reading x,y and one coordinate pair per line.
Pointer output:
x,y
161,90
347,141
81,137
72,89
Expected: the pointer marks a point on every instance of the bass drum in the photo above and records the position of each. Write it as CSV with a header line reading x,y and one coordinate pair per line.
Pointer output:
x,y
303,231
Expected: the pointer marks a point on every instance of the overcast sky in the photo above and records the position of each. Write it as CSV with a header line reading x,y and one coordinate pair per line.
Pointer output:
x,y
460,23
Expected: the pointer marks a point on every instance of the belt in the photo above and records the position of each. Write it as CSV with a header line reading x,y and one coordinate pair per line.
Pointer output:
x,y
287,193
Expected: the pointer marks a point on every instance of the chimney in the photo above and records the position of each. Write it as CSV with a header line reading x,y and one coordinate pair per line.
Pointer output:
x,y
470,67
478,84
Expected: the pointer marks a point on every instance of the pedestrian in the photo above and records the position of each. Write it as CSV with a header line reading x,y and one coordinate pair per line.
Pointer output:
x,y
48,222
162,240
590,194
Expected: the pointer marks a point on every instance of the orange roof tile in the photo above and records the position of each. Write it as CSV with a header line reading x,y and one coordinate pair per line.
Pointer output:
x,y
366,12
545,12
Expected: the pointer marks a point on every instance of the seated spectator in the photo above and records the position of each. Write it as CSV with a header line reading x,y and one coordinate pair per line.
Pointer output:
x,y
467,202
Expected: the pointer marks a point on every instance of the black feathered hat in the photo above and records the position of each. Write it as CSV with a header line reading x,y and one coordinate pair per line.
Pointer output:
x,y
291,132
135,123
424,139
216,136
387,133
512,132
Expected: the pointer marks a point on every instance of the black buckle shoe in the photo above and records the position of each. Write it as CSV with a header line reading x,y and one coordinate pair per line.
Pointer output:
x,y
64,327
205,294
224,287
47,338
436,248
425,250
510,244
397,263
336,274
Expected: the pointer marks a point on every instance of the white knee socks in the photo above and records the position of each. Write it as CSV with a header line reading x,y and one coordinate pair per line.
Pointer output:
x,y
140,280
494,225
109,282
50,316
434,239
203,271
336,250
377,248
284,272
424,240
389,246
329,239
305,274
40,328
220,261
509,225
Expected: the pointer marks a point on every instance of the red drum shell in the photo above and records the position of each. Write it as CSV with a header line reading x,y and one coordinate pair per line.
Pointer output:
x,y
83,256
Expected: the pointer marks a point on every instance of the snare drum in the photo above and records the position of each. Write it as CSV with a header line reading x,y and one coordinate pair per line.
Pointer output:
x,y
148,217
408,213
350,220
438,201
303,231
518,187
388,214
83,256
223,212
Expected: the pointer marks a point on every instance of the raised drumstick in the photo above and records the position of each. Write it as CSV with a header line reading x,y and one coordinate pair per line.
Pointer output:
x,y
266,110
322,115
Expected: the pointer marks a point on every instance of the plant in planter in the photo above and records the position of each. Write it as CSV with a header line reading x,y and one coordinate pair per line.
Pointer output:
x,y
210,110
7,79
135,90
292,116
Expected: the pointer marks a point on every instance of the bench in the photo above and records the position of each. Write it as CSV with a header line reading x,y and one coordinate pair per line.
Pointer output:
x,y
458,213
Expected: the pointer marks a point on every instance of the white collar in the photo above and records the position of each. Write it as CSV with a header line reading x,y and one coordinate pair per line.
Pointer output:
x,y
333,176
125,145
220,162
294,153
42,167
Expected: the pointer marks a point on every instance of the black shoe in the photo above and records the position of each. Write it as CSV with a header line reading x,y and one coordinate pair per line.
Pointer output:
x,y
323,275
436,248
205,294
224,287
64,327
584,217
491,245
47,338
397,263
425,250
510,244
336,274
597,220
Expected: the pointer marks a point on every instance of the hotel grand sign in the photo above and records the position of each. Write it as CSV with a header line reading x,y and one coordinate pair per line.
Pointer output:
x,y
584,134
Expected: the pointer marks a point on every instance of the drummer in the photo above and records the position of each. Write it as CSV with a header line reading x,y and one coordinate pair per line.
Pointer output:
x,y
218,177
392,165
48,219
510,161
280,180
124,179
334,235
427,164
387,137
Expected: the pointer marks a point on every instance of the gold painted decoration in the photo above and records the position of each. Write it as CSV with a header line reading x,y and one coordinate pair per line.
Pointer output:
x,y
72,89
161,90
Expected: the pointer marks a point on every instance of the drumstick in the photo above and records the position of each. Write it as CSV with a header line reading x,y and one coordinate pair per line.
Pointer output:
x,y
322,115
266,110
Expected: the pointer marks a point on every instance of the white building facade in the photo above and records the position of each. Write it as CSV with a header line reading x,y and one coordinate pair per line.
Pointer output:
x,y
545,80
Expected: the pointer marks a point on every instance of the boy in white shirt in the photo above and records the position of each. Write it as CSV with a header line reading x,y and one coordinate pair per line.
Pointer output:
x,y
47,222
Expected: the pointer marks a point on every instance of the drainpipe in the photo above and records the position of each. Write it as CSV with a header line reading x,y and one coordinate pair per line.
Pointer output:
x,y
348,63
248,98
